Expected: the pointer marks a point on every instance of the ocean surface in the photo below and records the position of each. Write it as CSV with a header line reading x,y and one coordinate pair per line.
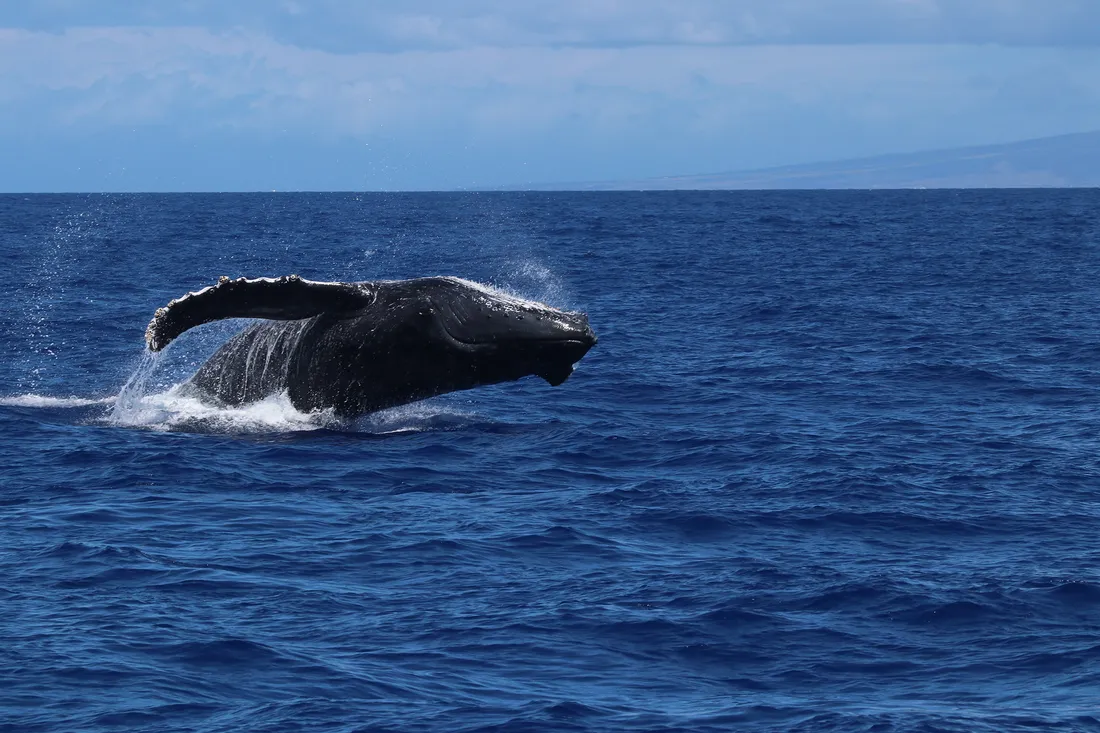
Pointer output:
x,y
833,465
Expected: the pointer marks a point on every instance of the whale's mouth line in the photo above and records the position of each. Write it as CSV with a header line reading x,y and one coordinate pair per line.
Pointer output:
x,y
572,339
522,340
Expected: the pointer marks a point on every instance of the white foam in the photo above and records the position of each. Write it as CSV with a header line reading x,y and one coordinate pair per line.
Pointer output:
x,y
174,409
46,401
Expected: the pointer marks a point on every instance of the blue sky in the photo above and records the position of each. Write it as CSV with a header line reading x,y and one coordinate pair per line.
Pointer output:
x,y
441,94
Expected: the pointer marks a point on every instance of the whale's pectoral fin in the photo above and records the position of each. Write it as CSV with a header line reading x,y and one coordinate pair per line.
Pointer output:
x,y
285,299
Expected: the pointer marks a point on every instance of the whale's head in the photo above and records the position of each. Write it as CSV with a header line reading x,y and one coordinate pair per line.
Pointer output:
x,y
507,335
434,335
493,336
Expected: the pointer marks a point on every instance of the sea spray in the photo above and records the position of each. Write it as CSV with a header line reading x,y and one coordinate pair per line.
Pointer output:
x,y
149,401
178,410
130,401
532,280
141,403
45,294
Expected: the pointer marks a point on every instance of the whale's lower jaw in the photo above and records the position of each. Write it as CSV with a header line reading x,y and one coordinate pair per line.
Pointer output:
x,y
555,376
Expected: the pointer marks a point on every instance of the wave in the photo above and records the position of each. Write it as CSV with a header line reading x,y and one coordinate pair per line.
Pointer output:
x,y
416,417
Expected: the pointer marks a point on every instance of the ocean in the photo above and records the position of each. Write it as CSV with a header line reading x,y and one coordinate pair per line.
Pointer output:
x,y
833,466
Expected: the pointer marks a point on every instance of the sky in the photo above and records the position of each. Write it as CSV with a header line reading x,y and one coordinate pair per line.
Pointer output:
x,y
227,95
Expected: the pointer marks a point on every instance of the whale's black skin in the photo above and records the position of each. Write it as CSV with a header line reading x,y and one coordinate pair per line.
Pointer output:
x,y
359,347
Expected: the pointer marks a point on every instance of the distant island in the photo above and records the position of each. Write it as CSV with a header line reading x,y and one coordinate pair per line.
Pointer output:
x,y
1065,161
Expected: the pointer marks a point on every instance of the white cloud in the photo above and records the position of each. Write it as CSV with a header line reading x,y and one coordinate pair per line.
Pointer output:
x,y
495,112
394,25
99,76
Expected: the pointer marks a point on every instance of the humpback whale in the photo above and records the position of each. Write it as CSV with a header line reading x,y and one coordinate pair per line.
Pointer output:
x,y
358,347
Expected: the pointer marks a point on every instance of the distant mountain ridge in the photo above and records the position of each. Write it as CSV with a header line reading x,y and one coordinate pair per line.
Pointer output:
x,y
1064,161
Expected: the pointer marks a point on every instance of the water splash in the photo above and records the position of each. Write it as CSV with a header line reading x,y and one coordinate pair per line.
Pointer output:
x,y
134,390
144,403
46,293
530,279
178,410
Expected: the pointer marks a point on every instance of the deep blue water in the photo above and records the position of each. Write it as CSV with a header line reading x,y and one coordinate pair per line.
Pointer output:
x,y
833,466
